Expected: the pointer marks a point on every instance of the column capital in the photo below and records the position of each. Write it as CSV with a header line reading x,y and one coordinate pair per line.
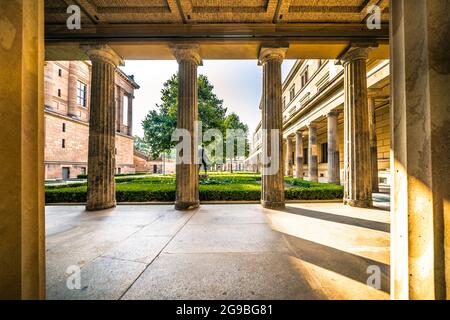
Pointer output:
x,y
189,52
104,53
354,53
272,53
312,125
333,113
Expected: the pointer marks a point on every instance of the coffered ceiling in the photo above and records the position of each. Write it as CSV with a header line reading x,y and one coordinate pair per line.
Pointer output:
x,y
215,11
137,27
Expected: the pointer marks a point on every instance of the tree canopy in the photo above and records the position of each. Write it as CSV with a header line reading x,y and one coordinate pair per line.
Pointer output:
x,y
160,123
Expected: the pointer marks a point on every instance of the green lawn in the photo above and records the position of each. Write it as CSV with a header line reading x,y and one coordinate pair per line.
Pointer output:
x,y
219,187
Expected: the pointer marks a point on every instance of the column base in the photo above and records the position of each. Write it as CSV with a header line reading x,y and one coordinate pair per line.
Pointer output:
x,y
273,204
182,206
100,206
358,203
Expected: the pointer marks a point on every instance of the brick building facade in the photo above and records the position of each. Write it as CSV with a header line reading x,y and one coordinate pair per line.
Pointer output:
x,y
67,94
161,165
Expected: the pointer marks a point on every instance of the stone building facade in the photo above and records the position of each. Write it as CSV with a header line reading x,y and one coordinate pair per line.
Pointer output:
x,y
313,92
67,95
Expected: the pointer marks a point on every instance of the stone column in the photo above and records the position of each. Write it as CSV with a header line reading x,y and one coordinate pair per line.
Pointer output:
x,y
373,144
188,57
22,211
420,156
299,155
130,115
102,131
72,90
357,169
119,109
333,148
272,128
289,159
313,167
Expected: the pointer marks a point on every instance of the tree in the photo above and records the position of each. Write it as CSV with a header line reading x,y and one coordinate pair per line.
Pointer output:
x,y
159,124
141,145
237,132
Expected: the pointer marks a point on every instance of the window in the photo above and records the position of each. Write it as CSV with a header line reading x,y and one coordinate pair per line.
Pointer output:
x,y
324,152
292,93
60,72
59,92
125,110
83,170
305,156
304,77
81,93
63,143
63,127
284,103
119,170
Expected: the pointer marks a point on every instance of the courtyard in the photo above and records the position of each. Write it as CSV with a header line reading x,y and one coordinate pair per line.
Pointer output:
x,y
233,251
217,186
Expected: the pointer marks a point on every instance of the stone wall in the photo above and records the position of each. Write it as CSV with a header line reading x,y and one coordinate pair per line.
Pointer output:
x,y
67,122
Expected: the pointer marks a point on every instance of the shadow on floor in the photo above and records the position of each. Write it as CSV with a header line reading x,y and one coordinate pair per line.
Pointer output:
x,y
357,222
344,263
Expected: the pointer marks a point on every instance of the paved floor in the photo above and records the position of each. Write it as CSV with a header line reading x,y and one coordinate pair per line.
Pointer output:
x,y
308,251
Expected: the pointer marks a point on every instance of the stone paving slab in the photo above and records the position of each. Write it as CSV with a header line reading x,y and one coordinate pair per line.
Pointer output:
x,y
307,251
222,276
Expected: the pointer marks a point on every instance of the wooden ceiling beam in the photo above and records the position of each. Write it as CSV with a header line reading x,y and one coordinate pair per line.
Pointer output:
x,y
260,31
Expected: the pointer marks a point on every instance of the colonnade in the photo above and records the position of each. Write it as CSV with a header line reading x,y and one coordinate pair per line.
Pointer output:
x,y
420,149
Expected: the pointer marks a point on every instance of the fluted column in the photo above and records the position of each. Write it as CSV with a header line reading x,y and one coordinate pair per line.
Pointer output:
x,y
299,155
289,159
119,110
333,148
313,167
272,128
188,57
420,149
130,115
72,90
101,159
373,145
357,169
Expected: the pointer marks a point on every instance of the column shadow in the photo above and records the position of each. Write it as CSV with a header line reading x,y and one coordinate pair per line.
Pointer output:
x,y
357,222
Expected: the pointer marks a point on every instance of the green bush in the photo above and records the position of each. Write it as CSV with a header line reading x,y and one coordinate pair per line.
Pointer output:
x,y
314,193
220,187
66,195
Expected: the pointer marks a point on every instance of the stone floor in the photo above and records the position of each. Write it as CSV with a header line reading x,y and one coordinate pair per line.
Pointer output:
x,y
308,251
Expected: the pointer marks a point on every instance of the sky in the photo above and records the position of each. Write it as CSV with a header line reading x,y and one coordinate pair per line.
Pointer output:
x,y
237,82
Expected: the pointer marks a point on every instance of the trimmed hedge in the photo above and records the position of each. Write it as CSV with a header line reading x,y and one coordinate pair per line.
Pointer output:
x,y
245,187
314,193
